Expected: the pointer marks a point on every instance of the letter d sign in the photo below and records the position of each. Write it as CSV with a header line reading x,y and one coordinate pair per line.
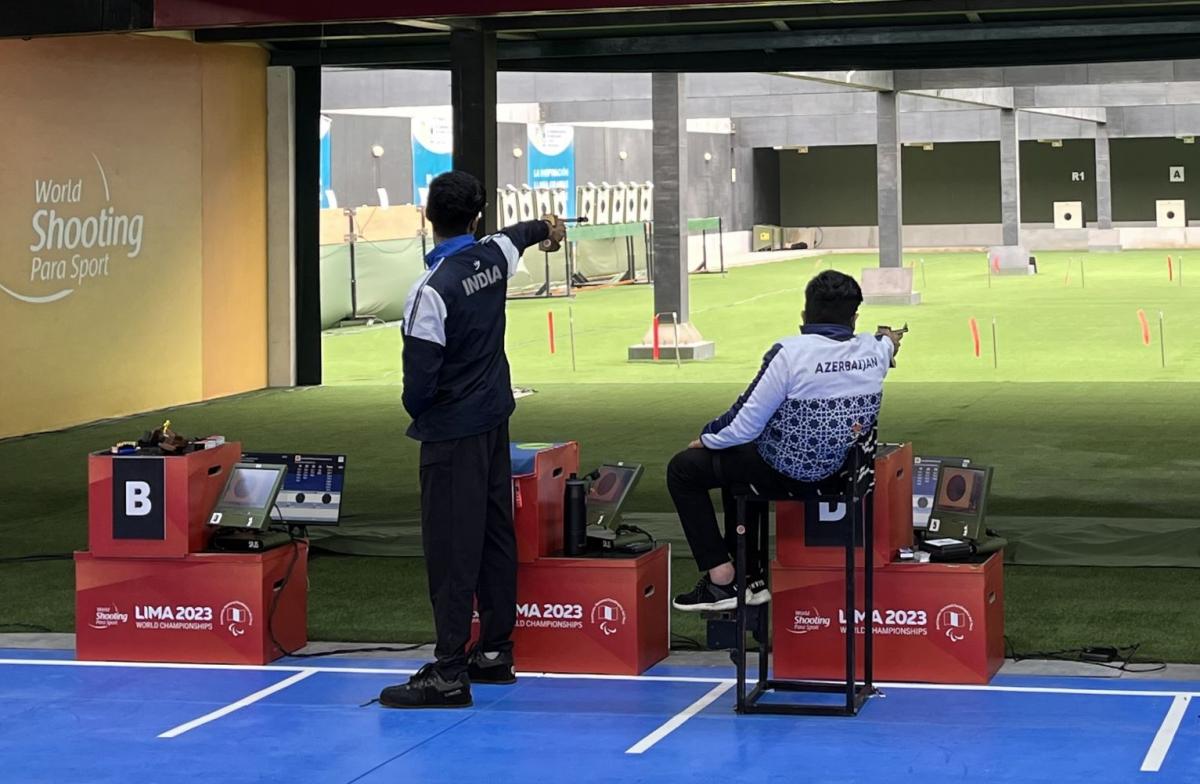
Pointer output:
x,y
137,499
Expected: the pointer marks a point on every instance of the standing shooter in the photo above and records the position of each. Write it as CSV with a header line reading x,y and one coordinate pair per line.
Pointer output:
x,y
458,391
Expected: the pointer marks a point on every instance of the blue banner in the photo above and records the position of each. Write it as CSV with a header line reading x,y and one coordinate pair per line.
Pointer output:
x,y
432,153
326,174
552,160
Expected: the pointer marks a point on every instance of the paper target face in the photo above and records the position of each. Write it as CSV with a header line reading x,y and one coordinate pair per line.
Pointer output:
x,y
543,202
646,203
602,211
586,199
618,204
560,203
510,211
525,205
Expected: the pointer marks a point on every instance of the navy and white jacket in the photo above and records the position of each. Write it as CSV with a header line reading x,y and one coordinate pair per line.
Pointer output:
x,y
456,377
801,408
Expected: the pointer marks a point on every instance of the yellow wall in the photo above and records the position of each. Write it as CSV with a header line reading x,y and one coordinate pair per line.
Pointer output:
x,y
235,220
159,132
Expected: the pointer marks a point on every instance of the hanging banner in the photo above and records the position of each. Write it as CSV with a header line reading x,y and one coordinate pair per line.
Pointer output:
x,y
432,152
326,175
552,160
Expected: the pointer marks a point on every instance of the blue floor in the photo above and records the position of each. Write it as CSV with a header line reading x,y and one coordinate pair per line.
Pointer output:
x,y
82,723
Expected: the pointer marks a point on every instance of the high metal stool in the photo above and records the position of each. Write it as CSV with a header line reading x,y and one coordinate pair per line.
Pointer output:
x,y
853,485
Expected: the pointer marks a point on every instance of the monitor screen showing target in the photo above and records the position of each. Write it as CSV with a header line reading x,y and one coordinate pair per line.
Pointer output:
x,y
611,485
961,490
960,504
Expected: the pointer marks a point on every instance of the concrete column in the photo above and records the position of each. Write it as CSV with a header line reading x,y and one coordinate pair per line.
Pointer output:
x,y
670,268
281,227
1103,179
670,162
473,98
1010,177
887,166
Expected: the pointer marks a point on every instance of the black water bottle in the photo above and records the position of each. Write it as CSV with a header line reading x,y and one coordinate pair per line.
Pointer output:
x,y
575,517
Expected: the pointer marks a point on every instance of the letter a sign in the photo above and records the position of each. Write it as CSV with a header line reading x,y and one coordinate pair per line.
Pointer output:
x,y
1177,174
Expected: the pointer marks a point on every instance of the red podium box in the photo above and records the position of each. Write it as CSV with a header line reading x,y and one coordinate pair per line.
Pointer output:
x,y
154,507
209,608
934,623
540,474
606,616
798,543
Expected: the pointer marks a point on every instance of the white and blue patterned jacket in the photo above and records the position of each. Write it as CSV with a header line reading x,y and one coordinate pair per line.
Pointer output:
x,y
802,407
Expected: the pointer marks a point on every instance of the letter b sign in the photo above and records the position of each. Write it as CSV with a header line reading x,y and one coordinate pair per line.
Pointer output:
x,y
137,498
137,494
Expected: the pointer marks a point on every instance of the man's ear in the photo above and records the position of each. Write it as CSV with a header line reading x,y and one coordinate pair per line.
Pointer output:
x,y
854,320
474,227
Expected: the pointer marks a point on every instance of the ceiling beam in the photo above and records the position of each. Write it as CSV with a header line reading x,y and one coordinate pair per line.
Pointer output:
x,y
879,81
798,14
994,97
1027,34
1097,115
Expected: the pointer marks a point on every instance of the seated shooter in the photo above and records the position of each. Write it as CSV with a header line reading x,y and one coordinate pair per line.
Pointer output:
x,y
794,424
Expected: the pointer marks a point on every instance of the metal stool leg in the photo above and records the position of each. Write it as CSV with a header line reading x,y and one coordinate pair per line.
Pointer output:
x,y
764,612
869,599
739,579
851,604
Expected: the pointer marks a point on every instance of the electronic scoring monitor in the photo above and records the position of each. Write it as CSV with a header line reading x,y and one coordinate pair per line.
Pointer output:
x,y
312,487
606,496
926,471
961,501
248,496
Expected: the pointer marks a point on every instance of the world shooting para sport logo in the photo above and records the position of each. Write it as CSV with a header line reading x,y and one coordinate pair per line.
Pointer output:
x,y
108,616
76,237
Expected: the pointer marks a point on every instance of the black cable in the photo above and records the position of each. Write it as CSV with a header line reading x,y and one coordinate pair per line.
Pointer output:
x,y
37,557
27,627
636,530
287,578
1125,655
681,642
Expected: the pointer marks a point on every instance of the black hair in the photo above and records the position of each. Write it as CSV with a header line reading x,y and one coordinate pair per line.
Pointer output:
x,y
455,199
832,298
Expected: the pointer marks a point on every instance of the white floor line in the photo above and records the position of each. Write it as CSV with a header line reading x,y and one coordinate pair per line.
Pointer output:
x,y
1166,734
573,676
249,699
677,721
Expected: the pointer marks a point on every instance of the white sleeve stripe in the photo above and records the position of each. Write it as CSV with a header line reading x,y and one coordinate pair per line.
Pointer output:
x,y
769,392
511,254
427,319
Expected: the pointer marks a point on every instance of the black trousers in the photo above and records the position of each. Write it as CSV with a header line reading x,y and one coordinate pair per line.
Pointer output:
x,y
470,545
692,473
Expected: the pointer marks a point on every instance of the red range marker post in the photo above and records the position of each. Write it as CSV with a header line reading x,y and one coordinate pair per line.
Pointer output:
x,y
1170,270
974,325
654,328
1145,327
550,326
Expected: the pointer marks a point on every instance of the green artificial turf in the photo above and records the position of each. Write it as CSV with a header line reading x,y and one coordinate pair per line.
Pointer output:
x,y
1080,420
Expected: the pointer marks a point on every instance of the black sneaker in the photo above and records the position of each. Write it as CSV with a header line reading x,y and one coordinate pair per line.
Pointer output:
x,y
428,689
707,597
756,592
499,670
